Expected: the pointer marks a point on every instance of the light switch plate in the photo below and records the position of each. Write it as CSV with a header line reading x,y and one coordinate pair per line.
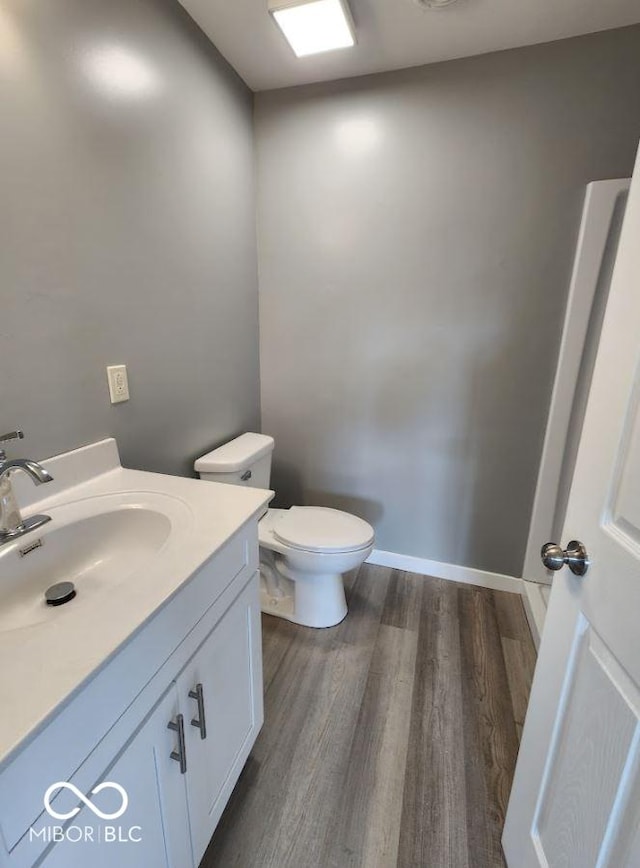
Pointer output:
x,y
118,383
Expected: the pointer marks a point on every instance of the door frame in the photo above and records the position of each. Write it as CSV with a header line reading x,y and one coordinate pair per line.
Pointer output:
x,y
601,202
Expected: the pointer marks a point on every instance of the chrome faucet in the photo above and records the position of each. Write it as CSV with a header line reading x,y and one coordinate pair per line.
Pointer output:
x,y
12,524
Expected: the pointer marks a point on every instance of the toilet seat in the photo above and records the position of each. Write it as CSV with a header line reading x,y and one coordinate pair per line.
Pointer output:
x,y
320,529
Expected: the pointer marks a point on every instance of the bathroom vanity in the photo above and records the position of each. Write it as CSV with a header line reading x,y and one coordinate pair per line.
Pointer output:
x,y
127,713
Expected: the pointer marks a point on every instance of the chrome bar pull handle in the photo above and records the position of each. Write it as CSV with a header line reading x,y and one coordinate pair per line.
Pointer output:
x,y
180,755
200,721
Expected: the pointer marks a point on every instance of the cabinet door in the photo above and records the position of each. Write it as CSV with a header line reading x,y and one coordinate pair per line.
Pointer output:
x,y
226,672
154,829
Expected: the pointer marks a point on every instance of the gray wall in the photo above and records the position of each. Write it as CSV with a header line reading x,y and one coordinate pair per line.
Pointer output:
x,y
127,231
416,232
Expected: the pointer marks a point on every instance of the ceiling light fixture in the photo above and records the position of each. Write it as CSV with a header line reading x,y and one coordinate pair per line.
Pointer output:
x,y
312,26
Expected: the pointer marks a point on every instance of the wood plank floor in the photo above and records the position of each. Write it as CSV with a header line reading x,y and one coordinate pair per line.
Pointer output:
x,y
390,740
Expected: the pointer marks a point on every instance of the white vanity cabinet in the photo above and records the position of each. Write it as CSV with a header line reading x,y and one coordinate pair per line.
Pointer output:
x,y
197,666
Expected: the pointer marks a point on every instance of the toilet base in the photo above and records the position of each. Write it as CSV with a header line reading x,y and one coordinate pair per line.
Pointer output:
x,y
309,599
281,607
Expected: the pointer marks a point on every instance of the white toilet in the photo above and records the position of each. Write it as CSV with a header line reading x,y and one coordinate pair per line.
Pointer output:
x,y
304,550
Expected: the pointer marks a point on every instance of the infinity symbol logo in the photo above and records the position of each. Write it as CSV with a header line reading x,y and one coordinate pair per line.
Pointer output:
x,y
65,785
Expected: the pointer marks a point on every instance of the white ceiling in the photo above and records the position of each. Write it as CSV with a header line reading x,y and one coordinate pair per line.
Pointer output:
x,y
393,34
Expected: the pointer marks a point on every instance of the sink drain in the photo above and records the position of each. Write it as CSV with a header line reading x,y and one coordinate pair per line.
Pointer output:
x,y
60,593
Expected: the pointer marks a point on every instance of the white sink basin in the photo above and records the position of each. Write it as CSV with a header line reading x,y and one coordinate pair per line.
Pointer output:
x,y
129,540
98,543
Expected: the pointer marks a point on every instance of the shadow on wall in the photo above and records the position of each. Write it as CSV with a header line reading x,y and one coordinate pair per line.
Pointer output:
x,y
291,492
286,480
370,510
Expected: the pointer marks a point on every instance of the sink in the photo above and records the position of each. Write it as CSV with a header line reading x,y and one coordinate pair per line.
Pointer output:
x,y
99,544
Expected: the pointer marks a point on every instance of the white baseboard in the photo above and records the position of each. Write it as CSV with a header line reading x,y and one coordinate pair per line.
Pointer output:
x,y
451,572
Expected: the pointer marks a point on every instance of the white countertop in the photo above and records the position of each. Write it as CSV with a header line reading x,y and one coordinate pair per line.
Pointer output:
x,y
42,664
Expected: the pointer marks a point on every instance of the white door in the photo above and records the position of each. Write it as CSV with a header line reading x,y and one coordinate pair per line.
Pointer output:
x,y
154,829
576,794
220,691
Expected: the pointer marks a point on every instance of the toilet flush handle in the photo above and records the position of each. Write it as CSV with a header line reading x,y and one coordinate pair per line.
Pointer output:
x,y
246,476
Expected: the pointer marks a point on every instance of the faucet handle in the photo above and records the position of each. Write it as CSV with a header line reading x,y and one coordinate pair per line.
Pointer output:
x,y
11,435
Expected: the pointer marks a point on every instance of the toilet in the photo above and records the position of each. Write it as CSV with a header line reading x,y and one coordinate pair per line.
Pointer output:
x,y
304,550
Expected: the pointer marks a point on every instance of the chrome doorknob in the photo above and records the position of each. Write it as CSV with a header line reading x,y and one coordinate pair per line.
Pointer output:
x,y
575,556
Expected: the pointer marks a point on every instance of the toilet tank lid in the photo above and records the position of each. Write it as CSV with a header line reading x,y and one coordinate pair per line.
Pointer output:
x,y
235,455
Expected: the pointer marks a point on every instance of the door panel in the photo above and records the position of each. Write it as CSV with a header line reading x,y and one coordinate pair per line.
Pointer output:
x,y
624,512
592,744
624,851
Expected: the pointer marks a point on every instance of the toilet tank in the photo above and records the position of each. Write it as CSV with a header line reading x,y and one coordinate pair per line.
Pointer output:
x,y
243,461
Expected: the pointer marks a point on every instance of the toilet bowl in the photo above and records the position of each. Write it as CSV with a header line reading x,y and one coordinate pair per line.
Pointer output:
x,y
304,550
304,553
